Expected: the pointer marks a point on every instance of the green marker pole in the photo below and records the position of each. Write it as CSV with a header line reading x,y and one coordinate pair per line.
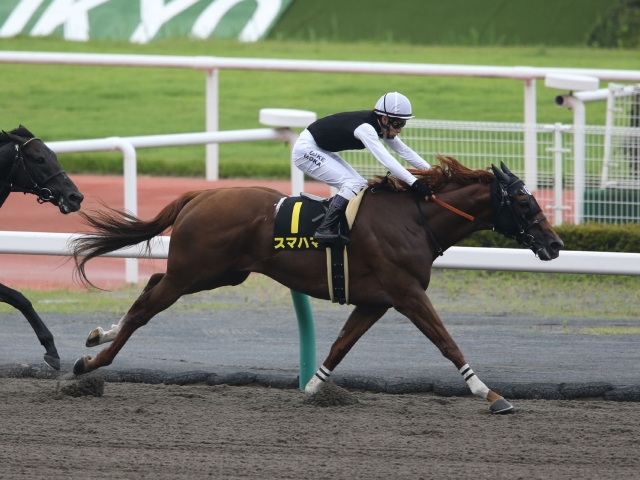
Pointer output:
x,y
307,331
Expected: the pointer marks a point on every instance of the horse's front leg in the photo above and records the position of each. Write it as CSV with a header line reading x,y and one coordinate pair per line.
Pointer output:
x,y
19,301
360,320
419,309
98,336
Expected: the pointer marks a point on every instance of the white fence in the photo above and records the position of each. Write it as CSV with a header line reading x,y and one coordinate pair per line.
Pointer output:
x,y
467,258
211,65
523,146
127,146
569,198
621,167
497,142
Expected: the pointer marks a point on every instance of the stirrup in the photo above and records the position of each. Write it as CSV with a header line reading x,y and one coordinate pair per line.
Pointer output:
x,y
332,238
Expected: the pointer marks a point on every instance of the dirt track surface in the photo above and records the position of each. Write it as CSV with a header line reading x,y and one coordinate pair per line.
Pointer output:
x,y
160,431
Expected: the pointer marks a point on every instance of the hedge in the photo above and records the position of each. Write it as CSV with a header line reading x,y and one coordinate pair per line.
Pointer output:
x,y
595,237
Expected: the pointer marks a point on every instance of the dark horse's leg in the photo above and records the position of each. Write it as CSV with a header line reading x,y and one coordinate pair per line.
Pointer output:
x,y
19,301
360,320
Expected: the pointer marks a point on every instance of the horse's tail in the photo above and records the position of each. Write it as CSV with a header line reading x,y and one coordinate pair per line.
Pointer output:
x,y
117,229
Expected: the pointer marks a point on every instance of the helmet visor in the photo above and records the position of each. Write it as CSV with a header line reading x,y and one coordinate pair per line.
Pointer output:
x,y
397,123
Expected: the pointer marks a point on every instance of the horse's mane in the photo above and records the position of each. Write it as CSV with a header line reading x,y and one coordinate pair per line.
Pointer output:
x,y
437,177
20,131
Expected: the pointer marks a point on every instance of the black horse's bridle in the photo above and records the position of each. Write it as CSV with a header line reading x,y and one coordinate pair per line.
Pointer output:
x,y
506,219
39,187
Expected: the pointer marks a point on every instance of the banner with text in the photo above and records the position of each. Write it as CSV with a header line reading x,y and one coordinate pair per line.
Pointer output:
x,y
140,21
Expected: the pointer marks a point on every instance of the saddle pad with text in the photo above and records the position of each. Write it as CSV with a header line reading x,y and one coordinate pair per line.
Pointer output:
x,y
297,219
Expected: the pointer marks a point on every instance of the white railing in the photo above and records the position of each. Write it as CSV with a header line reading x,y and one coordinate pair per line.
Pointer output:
x,y
568,181
127,146
212,64
466,258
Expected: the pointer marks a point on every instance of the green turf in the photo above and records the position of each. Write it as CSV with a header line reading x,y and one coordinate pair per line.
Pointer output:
x,y
612,331
73,102
451,291
454,22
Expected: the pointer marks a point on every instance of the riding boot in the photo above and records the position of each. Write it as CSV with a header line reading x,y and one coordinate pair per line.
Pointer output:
x,y
329,229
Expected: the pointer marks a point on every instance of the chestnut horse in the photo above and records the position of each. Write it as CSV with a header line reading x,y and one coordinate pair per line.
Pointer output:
x,y
27,165
220,236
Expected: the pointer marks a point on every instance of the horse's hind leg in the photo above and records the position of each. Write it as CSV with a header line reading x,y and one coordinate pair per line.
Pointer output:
x,y
98,336
419,309
19,301
152,301
360,320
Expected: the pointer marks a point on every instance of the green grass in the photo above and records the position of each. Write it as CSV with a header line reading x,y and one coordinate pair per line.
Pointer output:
x,y
535,294
451,291
73,102
454,22
612,331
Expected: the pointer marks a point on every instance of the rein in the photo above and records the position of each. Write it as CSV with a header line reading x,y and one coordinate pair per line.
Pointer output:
x,y
522,225
427,228
453,209
439,202
39,186
522,236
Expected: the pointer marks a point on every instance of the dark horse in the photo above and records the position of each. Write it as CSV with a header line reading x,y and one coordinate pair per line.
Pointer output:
x,y
220,236
27,165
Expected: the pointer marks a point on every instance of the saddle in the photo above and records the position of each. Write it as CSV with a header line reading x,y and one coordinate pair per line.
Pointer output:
x,y
297,218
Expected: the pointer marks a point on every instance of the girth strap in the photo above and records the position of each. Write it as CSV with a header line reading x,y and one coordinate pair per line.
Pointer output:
x,y
338,273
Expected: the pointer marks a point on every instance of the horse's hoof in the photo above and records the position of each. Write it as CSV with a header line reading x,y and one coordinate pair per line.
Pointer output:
x,y
79,367
313,386
501,406
53,362
93,340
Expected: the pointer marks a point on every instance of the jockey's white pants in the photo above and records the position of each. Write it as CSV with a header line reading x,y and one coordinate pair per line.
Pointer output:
x,y
327,167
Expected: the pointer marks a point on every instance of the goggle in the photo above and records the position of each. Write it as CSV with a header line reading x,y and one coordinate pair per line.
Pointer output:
x,y
397,123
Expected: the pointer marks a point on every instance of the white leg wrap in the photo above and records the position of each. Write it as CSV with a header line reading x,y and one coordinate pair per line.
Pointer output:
x,y
109,335
475,384
316,382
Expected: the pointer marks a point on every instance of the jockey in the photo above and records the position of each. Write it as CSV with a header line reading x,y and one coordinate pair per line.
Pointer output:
x,y
315,154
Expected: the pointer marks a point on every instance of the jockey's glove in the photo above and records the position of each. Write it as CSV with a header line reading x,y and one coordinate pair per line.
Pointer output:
x,y
421,189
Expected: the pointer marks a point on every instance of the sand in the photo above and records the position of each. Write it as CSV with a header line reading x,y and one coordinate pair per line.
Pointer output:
x,y
200,431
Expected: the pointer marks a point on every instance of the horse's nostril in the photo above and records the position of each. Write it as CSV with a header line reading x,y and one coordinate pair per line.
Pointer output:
x,y
76,198
557,245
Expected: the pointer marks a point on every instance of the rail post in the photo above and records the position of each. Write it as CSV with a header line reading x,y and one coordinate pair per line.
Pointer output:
x,y
211,116
557,150
307,333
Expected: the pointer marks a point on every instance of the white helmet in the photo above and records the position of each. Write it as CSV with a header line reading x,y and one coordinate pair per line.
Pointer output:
x,y
394,104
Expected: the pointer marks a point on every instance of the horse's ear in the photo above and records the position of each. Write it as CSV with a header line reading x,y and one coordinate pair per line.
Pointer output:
x,y
13,138
505,169
23,132
500,175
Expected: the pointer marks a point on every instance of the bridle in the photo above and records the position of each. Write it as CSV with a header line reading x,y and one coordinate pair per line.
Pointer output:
x,y
39,187
506,219
502,200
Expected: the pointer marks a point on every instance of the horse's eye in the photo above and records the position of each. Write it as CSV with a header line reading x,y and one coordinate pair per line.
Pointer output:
x,y
40,160
524,203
